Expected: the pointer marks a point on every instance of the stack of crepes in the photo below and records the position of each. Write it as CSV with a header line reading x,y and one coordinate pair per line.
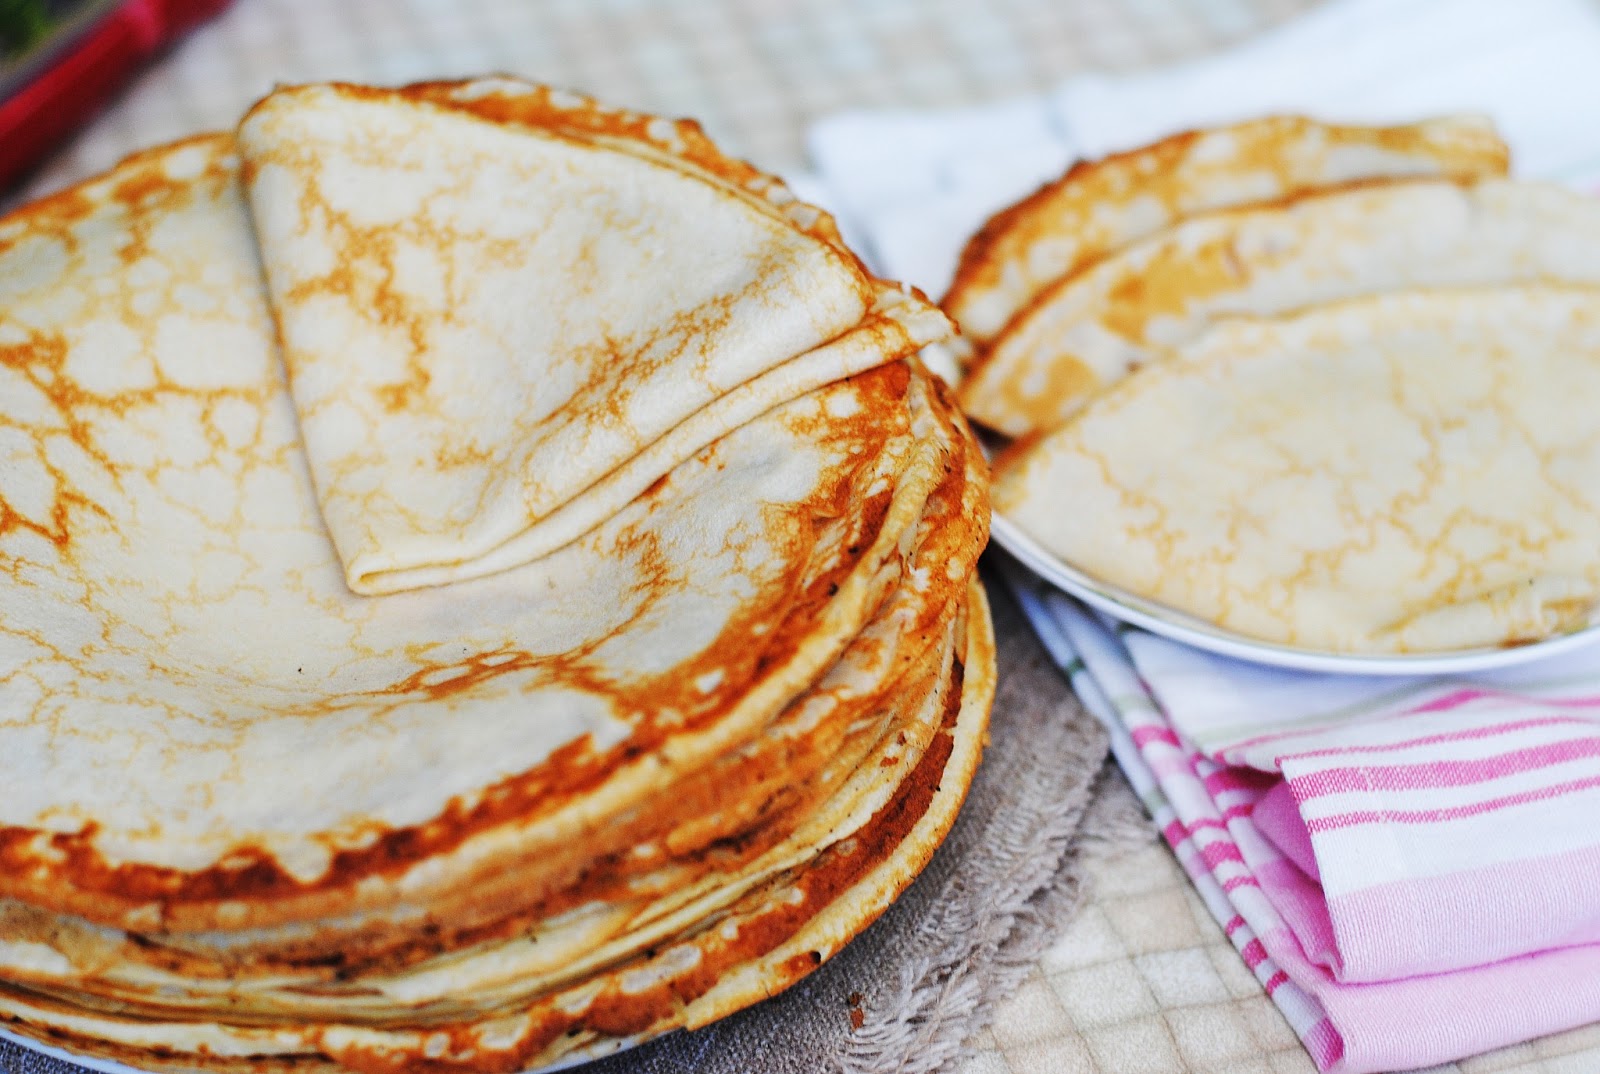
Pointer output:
x,y
1330,387
678,672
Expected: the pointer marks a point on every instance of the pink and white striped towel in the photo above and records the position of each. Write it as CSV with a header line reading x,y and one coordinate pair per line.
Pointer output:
x,y
1411,868
1447,822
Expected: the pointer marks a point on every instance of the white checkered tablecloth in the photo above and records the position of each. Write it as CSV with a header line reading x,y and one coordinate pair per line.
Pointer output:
x,y
1142,980
754,72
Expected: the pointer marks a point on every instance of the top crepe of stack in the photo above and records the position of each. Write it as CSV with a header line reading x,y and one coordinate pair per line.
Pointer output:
x,y
680,671
1329,387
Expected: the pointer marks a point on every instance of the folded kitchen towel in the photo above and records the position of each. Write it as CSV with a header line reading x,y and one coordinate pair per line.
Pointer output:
x,y
1449,821
1436,931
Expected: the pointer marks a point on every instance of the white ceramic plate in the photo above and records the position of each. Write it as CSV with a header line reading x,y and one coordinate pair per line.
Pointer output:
x,y
1179,626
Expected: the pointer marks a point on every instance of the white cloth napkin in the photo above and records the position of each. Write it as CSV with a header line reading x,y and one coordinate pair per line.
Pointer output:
x,y
914,185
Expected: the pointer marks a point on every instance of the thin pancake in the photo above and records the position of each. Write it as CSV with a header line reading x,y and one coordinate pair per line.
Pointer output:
x,y
499,335
262,822
1410,472
1087,331
941,554
1101,206
552,954
771,938
559,937
848,703
677,143
529,709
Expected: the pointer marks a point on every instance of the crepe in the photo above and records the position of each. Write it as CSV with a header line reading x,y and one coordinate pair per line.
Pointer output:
x,y
1099,207
607,927
660,603
613,912
774,936
850,712
1409,472
499,333
1087,331
624,780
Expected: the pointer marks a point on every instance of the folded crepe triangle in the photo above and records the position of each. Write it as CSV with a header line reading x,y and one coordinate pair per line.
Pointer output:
x,y
506,312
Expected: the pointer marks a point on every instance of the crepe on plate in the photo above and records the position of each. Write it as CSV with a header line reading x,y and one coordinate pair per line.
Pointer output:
x,y
1100,206
1126,310
1406,472
682,693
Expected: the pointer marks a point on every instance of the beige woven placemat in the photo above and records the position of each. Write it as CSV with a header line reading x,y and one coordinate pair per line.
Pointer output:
x,y
754,72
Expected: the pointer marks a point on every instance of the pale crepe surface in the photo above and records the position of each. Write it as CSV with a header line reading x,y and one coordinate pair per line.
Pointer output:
x,y
1407,472
606,740
880,665
454,392
1073,296
1089,330
332,639
840,893
849,886
565,949
636,910
1100,206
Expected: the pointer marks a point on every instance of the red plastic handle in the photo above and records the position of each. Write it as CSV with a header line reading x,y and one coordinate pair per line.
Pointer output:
x,y
73,89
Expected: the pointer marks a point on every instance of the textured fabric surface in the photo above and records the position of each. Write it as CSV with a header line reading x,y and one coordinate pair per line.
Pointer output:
x,y
1206,811
754,72
1433,823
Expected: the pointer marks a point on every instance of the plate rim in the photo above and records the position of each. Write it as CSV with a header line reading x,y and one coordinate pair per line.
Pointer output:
x,y
1190,630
